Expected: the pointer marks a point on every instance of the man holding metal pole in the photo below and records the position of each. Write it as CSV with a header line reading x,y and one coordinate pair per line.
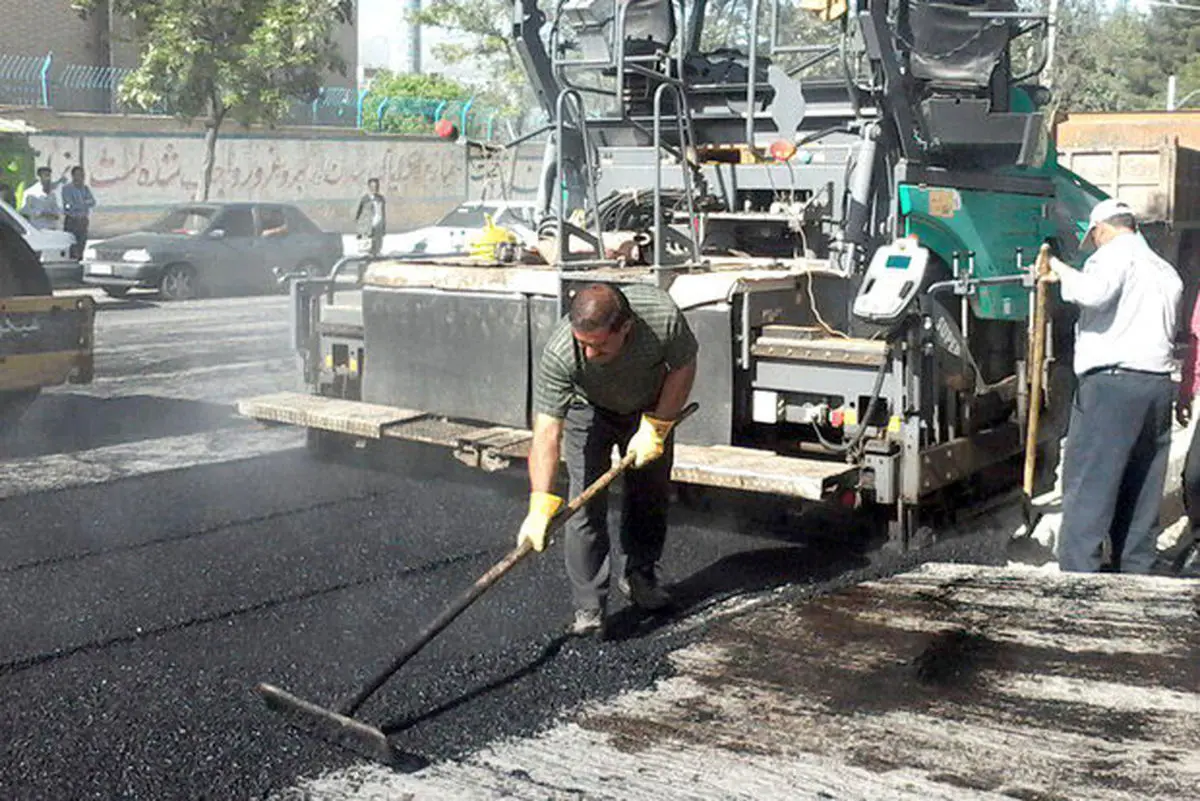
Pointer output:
x,y
617,371
1120,431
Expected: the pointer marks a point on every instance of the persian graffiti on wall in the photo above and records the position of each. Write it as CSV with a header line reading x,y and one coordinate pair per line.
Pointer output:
x,y
130,173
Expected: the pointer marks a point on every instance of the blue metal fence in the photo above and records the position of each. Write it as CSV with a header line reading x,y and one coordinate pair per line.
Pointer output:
x,y
23,80
44,81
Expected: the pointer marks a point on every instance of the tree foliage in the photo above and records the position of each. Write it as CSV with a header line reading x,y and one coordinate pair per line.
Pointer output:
x,y
246,60
411,102
1119,58
481,38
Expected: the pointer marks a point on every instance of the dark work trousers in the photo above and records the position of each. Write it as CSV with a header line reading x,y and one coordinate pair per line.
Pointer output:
x,y
77,225
1114,468
1191,491
589,435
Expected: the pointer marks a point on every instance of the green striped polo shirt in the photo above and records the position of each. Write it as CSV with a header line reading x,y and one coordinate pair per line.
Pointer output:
x,y
660,340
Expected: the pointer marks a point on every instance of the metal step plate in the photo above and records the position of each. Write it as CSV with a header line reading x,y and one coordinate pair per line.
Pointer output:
x,y
753,470
492,447
328,414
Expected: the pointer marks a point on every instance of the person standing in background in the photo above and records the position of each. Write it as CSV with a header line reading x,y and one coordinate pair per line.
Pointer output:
x,y
78,203
40,205
371,219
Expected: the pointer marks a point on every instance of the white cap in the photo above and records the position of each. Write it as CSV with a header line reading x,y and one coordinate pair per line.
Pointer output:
x,y
1104,211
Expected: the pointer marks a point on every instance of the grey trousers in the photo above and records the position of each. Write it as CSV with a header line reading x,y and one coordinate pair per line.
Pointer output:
x,y
589,435
1114,469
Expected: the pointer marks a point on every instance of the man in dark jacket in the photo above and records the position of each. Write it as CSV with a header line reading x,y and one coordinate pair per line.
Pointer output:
x,y
371,219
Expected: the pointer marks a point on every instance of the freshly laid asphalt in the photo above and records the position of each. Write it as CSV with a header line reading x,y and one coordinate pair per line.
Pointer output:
x,y
137,615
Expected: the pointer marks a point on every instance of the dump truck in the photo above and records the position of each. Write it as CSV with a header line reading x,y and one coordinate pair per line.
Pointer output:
x,y
1151,160
44,340
846,200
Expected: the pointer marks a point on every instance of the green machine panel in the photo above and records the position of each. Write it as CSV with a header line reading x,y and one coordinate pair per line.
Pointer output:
x,y
995,226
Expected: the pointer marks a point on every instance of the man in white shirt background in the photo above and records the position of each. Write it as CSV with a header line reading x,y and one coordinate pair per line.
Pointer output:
x,y
1118,442
41,206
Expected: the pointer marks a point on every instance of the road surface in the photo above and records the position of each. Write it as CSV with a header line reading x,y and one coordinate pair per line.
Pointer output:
x,y
160,556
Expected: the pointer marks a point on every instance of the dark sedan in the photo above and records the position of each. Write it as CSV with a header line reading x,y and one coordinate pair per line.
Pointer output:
x,y
198,249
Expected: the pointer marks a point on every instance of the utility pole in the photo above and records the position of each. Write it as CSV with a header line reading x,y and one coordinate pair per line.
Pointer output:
x,y
413,7
1051,40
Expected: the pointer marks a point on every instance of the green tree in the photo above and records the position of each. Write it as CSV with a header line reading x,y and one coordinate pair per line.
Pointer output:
x,y
409,101
246,60
1176,36
483,39
1118,59
1097,57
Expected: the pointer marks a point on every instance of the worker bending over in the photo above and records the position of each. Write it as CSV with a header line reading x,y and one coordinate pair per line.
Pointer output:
x,y
617,371
1120,430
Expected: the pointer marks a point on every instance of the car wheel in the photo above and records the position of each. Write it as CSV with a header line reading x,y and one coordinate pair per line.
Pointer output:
x,y
116,291
178,282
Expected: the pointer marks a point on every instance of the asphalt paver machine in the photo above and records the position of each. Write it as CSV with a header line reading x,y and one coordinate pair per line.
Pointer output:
x,y
845,197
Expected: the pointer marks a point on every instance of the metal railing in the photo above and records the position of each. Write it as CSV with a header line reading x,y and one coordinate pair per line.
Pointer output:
x,y
46,82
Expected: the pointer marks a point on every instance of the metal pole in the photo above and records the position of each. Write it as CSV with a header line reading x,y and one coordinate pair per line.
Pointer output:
x,y
466,111
1051,41
1172,87
46,79
751,82
414,36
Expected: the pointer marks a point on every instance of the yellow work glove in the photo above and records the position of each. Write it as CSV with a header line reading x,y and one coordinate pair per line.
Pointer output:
x,y
542,507
651,437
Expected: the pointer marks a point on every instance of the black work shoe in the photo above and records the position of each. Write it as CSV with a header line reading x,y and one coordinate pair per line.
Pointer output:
x,y
641,588
587,622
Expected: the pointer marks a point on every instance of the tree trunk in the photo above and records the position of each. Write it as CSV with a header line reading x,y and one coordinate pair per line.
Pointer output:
x,y
211,126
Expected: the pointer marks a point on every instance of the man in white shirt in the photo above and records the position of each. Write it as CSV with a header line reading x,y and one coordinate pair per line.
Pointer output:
x,y
40,205
1120,431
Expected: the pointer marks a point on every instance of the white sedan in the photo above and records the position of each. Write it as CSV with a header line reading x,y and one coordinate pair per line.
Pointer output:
x,y
452,234
53,248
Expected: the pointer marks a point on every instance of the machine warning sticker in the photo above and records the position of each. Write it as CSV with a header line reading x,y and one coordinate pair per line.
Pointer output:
x,y
944,202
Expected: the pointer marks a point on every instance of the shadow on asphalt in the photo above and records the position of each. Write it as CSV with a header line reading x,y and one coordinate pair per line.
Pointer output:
x,y
547,654
67,423
742,574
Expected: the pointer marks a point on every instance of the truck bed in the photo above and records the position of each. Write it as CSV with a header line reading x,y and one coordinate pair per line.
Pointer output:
x,y
950,682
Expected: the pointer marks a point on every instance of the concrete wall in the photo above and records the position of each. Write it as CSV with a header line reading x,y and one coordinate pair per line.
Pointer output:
x,y
513,174
137,171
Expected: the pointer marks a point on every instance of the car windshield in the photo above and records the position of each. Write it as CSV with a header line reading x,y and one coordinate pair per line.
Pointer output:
x,y
188,221
467,217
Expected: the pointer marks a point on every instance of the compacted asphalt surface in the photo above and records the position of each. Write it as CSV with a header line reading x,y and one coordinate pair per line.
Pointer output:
x,y
169,556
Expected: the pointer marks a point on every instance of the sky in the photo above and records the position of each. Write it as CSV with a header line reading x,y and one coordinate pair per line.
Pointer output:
x,y
383,37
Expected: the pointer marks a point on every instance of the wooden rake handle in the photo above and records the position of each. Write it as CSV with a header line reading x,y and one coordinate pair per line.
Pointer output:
x,y
1037,355
481,585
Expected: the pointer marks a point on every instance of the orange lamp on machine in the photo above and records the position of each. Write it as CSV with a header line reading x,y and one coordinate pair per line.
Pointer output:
x,y
782,150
